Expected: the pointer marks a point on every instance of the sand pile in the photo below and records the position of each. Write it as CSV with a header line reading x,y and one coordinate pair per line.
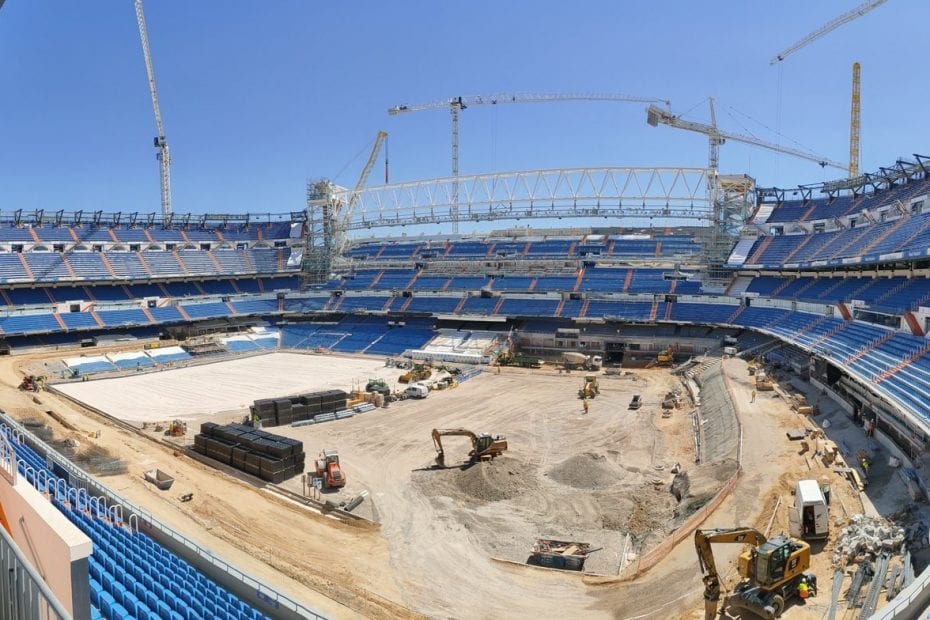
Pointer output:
x,y
493,481
586,471
490,481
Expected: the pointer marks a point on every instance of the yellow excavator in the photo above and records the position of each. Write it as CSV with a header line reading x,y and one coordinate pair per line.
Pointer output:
x,y
589,389
483,446
665,358
771,570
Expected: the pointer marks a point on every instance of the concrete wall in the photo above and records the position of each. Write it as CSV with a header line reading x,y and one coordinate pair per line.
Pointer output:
x,y
51,543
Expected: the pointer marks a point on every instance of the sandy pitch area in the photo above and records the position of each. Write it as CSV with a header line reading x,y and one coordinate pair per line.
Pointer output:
x,y
186,393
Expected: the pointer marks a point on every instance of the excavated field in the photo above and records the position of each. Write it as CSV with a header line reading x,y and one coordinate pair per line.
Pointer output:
x,y
603,478
593,478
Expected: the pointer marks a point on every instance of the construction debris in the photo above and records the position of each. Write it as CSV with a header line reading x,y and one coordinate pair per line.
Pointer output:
x,y
865,538
560,554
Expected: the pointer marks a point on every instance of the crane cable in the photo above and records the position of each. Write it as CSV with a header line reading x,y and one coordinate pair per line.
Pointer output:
x,y
763,125
781,70
355,157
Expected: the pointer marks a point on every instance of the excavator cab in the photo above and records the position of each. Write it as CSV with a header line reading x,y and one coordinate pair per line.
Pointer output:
x,y
482,443
777,560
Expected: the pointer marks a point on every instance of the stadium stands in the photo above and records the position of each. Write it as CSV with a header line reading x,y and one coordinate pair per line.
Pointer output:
x,y
192,274
833,207
647,244
895,293
131,576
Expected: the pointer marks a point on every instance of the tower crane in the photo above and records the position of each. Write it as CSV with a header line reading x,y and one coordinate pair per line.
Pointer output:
x,y
830,26
456,104
161,142
716,137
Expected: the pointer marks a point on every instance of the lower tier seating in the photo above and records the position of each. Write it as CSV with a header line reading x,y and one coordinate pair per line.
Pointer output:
x,y
131,575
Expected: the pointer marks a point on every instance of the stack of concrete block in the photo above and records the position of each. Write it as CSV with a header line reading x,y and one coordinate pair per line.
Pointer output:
x,y
866,537
302,408
270,457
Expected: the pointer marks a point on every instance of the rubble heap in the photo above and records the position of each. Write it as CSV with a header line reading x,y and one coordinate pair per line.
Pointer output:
x,y
865,537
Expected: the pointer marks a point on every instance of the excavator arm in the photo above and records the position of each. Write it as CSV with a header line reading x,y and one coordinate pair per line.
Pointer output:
x,y
439,433
702,544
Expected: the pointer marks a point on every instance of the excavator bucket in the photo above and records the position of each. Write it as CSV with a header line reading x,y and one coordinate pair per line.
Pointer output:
x,y
758,601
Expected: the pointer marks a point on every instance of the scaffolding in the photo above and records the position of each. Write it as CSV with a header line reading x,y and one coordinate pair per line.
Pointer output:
x,y
319,243
734,199
635,197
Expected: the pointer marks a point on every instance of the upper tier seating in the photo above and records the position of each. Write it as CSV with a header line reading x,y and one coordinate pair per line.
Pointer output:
x,y
63,266
829,208
123,234
909,236
618,246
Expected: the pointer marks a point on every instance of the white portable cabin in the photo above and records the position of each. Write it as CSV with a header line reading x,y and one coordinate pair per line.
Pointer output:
x,y
809,517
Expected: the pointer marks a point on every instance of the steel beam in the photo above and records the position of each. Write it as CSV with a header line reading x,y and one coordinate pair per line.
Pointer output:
x,y
645,194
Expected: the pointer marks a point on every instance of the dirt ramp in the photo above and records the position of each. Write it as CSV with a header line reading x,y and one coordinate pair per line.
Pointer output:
x,y
586,471
696,486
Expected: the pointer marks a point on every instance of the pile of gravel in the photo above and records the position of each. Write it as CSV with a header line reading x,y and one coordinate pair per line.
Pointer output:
x,y
586,471
494,481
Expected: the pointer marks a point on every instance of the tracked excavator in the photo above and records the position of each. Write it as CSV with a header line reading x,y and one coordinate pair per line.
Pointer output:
x,y
483,446
771,570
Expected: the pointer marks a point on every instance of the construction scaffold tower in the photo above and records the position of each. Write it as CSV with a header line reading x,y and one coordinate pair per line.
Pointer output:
x,y
734,198
319,238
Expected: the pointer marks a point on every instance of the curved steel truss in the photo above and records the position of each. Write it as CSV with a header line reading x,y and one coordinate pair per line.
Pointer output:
x,y
628,193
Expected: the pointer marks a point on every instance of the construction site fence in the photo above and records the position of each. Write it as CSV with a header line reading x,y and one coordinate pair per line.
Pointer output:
x,y
655,555
138,518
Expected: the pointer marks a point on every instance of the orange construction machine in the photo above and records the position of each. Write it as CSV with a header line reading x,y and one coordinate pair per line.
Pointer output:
x,y
329,471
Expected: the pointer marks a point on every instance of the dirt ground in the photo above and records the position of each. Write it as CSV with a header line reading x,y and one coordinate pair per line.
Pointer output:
x,y
448,537
567,475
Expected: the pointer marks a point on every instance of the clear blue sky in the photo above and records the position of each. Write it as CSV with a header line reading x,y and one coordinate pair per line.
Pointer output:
x,y
258,97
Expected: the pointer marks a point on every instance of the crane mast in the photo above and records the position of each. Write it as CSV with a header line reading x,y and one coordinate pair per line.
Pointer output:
x,y
161,142
829,27
456,104
854,118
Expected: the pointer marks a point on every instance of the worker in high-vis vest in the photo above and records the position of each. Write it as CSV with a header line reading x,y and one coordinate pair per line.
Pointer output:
x,y
803,589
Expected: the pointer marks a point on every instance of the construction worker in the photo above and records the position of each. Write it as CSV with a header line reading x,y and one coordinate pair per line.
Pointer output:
x,y
752,398
256,420
584,404
803,589
811,583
